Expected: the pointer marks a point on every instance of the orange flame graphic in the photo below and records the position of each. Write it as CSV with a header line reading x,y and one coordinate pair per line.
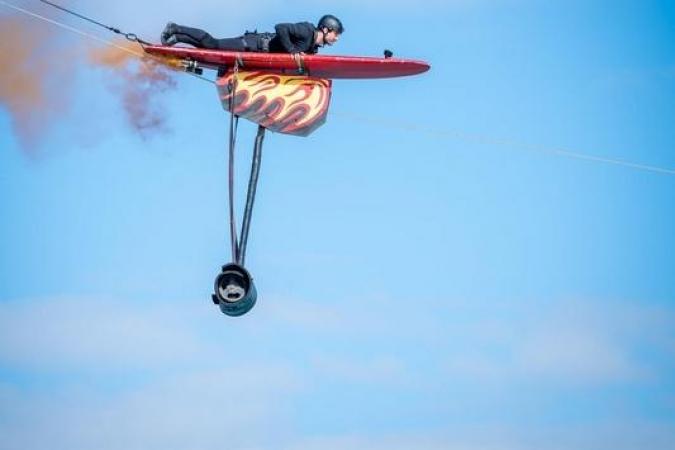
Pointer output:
x,y
283,103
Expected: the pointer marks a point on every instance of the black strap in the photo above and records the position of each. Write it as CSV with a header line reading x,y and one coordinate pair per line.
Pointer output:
x,y
234,121
250,196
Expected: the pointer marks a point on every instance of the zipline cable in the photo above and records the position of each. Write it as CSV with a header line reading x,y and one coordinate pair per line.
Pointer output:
x,y
129,36
140,55
496,142
71,29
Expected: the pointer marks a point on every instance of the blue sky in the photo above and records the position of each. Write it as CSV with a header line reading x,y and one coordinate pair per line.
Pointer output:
x,y
431,273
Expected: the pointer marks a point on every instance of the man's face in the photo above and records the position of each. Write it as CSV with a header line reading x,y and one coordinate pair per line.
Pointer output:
x,y
330,37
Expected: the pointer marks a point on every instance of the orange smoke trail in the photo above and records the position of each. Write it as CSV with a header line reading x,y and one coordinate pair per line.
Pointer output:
x,y
27,70
37,75
140,81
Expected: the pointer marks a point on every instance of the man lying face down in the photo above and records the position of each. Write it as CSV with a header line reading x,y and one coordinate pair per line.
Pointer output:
x,y
301,37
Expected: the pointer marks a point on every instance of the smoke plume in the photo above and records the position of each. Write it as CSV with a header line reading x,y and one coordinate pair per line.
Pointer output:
x,y
39,66
29,72
138,82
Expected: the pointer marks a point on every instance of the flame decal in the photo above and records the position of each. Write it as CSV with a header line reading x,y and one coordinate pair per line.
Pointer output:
x,y
283,103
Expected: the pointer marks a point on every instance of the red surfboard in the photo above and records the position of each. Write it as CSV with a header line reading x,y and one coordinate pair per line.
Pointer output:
x,y
283,63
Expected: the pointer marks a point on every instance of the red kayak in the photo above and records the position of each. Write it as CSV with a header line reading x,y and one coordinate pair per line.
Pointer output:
x,y
283,63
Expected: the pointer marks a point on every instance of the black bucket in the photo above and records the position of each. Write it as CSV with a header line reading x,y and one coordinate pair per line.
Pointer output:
x,y
235,292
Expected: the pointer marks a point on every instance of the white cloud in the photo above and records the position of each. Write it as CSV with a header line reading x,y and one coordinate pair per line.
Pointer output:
x,y
359,316
626,436
554,343
207,410
120,375
568,343
379,370
210,382
569,353
96,333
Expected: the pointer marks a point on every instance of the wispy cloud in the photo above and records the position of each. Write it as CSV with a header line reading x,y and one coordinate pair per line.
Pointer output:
x,y
378,370
571,353
93,333
205,410
197,380
570,343
627,436
562,342
129,375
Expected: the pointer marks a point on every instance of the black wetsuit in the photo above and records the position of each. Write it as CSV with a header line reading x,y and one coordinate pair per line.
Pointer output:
x,y
289,38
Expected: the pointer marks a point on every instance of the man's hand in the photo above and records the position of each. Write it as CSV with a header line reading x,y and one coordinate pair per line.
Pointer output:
x,y
298,60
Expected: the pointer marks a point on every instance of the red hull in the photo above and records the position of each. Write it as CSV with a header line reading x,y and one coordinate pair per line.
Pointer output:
x,y
283,63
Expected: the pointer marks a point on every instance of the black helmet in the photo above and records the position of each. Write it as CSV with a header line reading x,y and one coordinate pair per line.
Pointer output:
x,y
332,23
